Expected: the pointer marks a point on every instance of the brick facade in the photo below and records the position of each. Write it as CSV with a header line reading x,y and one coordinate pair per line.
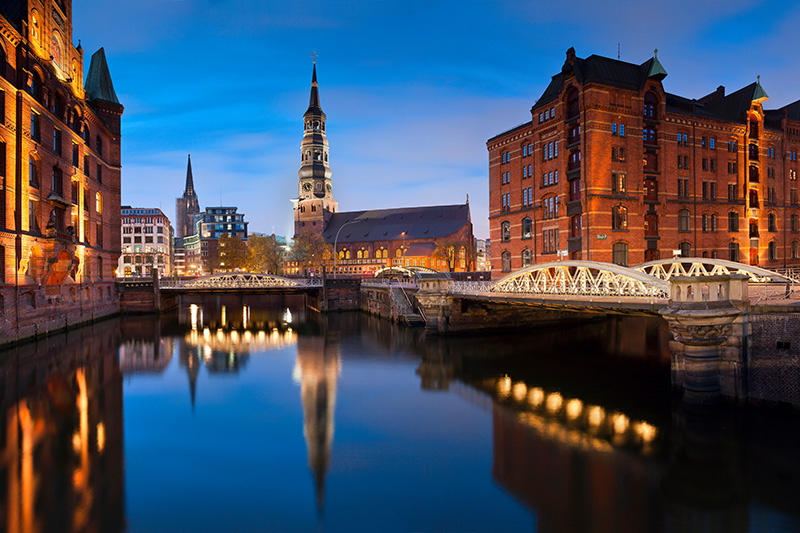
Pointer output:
x,y
59,160
611,161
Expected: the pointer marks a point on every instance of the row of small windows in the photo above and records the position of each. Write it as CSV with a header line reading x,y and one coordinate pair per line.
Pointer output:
x,y
618,129
550,151
547,114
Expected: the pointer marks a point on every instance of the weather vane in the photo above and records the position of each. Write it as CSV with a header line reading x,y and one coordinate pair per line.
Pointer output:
x,y
314,56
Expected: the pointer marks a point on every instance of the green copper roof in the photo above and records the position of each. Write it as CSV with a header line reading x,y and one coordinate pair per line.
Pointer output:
x,y
759,94
98,81
657,70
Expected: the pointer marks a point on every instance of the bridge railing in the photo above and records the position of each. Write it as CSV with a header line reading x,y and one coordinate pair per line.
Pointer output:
x,y
385,283
239,282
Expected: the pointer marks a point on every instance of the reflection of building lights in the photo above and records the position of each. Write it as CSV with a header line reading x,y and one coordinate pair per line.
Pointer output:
x,y
206,352
245,316
224,317
504,386
596,415
574,408
193,313
287,316
220,334
554,402
101,436
206,333
76,441
247,336
235,336
536,397
519,391
645,431
620,423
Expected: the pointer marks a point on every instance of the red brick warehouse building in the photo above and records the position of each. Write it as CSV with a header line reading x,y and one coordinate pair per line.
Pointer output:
x,y
613,168
59,171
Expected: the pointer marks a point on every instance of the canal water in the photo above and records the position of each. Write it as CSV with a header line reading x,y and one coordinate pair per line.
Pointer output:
x,y
250,414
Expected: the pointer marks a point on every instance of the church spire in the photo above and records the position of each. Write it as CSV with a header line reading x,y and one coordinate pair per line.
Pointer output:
x,y
189,190
313,101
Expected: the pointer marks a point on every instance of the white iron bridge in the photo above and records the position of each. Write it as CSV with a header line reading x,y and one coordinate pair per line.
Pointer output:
x,y
240,282
592,283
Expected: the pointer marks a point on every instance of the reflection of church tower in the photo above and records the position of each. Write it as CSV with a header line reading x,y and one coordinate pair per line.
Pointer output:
x,y
186,206
315,203
319,370
189,358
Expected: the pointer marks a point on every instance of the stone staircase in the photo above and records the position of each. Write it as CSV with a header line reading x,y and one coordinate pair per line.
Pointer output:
x,y
405,312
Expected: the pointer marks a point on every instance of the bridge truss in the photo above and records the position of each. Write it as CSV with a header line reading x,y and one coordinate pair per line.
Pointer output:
x,y
573,278
698,267
239,281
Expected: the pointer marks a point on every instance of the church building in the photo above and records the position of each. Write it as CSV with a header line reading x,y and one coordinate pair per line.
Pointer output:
x,y
369,240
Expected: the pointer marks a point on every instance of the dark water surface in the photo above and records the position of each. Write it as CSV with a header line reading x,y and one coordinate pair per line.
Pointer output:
x,y
245,414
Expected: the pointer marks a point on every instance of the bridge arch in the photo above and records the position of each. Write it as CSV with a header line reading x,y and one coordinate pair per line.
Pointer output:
x,y
700,266
582,278
407,271
241,280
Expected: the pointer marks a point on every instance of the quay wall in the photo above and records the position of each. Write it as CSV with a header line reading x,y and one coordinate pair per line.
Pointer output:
x,y
774,358
30,311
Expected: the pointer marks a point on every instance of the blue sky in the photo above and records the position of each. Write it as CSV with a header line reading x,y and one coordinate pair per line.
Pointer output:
x,y
412,89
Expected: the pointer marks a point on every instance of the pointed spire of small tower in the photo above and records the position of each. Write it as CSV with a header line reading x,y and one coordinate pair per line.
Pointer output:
x,y
656,70
759,94
313,101
98,81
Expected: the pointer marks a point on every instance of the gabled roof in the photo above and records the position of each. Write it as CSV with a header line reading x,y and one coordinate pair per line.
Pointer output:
x,y
735,105
793,111
605,71
98,81
407,223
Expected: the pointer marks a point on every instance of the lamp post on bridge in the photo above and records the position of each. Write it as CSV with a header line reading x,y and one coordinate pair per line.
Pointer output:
x,y
336,240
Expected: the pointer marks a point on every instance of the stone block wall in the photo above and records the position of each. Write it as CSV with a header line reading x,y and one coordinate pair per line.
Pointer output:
x,y
774,365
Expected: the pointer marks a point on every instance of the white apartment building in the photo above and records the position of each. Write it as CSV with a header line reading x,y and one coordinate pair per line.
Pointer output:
x,y
146,242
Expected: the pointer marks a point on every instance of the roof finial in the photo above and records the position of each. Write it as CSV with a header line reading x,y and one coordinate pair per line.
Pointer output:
x,y
655,53
314,56
467,198
759,79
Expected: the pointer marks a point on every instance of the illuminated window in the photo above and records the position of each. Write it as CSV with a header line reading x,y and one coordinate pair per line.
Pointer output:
x,y
98,204
527,228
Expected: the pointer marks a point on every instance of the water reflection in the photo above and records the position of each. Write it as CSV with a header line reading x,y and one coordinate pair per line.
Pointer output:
x,y
61,434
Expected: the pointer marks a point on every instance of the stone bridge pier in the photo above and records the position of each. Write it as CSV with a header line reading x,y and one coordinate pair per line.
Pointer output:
x,y
709,323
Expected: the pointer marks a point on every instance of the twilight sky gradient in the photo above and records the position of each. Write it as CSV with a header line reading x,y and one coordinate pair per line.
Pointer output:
x,y
412,89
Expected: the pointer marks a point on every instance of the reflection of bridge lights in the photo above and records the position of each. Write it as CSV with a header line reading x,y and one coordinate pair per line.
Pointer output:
x,y
554,402
262,335
645,431
574,408
504,387
206,333
287,316
193,336
235,336
220,334
101,437
193,313
596,414
536,397
248,336
245,316
520,390
620,423
224,316
206,352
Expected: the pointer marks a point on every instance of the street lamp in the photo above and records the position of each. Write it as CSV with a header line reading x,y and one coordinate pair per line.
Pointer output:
x,y
336,240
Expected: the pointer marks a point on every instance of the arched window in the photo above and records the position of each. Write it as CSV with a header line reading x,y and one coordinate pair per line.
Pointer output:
x,y
753,228
98,146
527,228
752,151
753,128
527,257
772,223
359,254
795,250
620,253
650,105
684,220
754,173
398,252
686,249
572,104
575,225
366,254
98,203
619,218
772,248
36,86
505,231
733,251
506,260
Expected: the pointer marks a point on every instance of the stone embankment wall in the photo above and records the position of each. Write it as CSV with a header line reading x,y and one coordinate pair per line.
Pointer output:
x,y
30,311
774,362
342,294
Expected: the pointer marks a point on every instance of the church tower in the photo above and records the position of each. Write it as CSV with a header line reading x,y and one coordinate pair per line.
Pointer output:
x,y
314,204
187,206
